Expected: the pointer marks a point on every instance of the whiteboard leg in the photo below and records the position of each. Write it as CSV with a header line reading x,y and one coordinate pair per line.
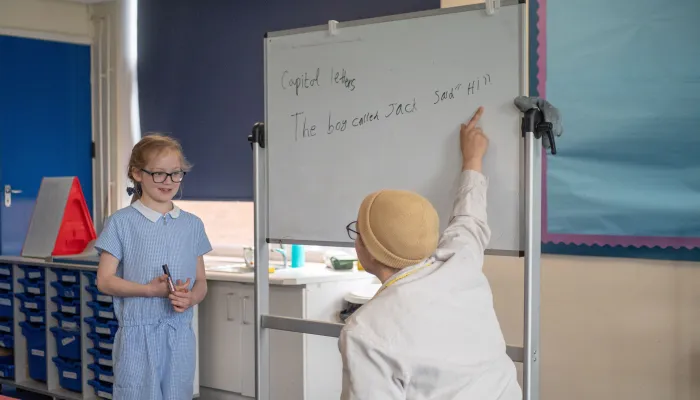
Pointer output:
x,y
262,279
531,362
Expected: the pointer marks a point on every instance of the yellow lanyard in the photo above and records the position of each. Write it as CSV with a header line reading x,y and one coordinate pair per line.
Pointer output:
x,y
402,276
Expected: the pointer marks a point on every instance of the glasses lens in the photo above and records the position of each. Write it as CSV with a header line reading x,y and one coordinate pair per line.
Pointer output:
x,y
159,177
178,176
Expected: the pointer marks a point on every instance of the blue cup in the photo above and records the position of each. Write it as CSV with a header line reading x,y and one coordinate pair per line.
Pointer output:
x,y
298,256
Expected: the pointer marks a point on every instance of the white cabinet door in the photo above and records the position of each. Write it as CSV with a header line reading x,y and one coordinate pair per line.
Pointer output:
x,y
287,348
286,363
220,323
247,360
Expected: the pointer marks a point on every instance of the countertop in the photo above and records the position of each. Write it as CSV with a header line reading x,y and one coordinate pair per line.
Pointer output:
x,y
309,274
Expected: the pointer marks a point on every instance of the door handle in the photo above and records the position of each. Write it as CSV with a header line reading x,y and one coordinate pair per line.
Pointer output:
x,y
230,307
8,194
245,310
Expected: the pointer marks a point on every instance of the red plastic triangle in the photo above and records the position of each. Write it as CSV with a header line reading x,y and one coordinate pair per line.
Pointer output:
x,y
77,229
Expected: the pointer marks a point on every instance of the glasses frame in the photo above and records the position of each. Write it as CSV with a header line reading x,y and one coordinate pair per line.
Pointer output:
x,y
167,175
353,234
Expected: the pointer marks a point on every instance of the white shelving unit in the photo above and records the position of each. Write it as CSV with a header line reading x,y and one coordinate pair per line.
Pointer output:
x,y
52,385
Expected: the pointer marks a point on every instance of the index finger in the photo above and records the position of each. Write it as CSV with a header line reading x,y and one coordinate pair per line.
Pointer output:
x,y
475,119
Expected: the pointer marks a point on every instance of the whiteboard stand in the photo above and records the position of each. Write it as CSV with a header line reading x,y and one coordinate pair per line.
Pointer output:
x,y
265,321
261,280
529,354
533,236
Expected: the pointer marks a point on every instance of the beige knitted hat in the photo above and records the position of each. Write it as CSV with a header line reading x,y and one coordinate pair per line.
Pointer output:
x,y
399,228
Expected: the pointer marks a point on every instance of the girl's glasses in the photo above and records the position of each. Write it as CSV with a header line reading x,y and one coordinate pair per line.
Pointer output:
x,y
160,177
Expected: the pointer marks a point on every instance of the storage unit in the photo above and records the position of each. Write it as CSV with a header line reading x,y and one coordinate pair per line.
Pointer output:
x,y
35,337
67,343
103,327
62,331
30,295
69,374
7,324
64,291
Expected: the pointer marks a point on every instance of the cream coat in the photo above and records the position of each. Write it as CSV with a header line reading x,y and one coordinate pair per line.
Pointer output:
x,y
433,335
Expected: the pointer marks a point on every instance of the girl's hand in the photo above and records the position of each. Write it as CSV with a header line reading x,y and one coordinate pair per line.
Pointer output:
x,y
158,287
182,286
181,298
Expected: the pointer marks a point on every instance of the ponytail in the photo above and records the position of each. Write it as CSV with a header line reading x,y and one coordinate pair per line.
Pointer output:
x,y
135,192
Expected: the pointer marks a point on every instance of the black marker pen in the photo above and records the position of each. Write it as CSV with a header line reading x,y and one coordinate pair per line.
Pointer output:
x,y
170,279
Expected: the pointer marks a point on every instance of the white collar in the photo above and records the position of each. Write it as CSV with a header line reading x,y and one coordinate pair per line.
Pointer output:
x,y
154,215
410,270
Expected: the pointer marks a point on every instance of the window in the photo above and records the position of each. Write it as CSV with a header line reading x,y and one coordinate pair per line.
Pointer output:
x,y
230,227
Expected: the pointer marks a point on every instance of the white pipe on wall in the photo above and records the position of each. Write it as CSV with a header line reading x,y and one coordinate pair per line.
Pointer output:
x,y
100,124
131,29
108,128
126,106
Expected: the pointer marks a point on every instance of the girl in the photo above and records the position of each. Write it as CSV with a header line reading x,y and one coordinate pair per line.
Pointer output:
x,y
154,348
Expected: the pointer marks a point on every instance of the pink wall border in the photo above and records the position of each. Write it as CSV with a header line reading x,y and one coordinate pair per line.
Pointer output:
x,y
578,239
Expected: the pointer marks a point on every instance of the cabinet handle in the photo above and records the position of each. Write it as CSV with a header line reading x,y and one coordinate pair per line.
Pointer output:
x,y
230,307
245,310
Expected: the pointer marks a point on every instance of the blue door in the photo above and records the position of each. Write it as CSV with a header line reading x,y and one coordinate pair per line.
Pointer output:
x,y
45,126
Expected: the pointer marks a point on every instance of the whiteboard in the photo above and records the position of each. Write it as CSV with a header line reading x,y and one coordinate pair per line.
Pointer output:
x,y
378,105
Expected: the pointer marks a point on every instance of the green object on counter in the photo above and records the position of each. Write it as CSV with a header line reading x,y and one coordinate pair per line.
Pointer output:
x,y
343,264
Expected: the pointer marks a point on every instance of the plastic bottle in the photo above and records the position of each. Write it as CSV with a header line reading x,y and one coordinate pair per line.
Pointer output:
x,y
298,256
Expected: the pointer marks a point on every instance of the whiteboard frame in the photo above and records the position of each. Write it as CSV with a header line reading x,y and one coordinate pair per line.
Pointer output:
x,y
399,17
528,354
